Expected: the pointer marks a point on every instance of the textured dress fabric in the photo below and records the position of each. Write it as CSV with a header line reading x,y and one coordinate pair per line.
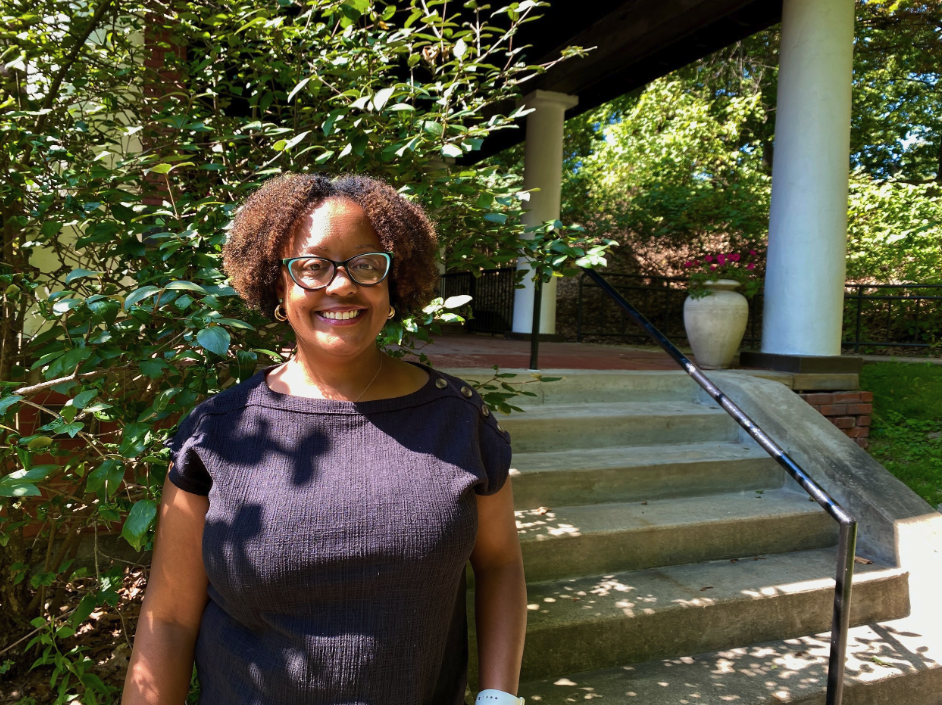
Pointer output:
x,y
336,541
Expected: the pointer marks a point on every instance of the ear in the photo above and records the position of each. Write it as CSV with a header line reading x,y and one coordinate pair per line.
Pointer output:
x,y
280,286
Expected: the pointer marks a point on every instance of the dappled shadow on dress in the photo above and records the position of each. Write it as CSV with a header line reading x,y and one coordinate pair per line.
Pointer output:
x,y
330,548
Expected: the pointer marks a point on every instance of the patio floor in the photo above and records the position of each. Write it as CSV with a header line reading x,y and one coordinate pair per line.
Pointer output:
x,y
462,350
468,350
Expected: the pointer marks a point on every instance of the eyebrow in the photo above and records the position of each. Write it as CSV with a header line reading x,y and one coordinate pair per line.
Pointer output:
x,y
369,248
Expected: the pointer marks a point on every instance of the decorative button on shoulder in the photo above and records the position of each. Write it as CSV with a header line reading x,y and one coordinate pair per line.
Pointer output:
x,y
441,383
485,411
467,392
500,428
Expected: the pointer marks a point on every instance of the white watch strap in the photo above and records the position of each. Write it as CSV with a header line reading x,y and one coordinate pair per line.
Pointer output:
x,y
497,697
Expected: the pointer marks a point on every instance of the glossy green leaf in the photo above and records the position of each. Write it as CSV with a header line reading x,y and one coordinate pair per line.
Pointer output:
x,y
456,301
234,323
299,87
7,403
138,522
185,286
139,295
382,97
81,400
294,141
106,476
79,274
215,340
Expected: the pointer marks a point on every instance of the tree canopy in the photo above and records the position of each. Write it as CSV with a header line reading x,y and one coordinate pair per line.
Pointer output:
x,y
684,165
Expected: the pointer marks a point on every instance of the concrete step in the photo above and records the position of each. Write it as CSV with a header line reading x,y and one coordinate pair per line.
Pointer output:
x,y
553,427
638,473
889,663
604,538
588,623
593,386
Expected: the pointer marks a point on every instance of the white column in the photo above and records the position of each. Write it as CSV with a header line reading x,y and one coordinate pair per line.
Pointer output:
x,y
804,285
543,169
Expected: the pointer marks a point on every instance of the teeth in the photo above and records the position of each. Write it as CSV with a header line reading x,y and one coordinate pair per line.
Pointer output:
x,y
340,315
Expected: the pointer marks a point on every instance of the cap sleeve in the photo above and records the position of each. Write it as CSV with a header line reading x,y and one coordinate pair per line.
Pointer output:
x,y
187,470
495,456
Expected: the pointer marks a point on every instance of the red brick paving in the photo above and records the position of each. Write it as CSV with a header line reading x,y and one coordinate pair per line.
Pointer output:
x,y
470,350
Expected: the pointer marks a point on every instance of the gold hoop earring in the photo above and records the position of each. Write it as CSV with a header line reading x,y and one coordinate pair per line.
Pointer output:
x,y
279,314
392,312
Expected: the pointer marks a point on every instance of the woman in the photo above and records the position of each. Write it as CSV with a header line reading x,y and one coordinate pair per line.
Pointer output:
x,y
316,519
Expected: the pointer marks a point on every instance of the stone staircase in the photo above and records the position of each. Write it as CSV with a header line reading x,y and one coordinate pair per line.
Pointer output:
x,y
660,543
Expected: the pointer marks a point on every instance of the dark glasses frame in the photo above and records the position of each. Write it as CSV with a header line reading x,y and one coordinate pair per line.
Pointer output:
x,y
287,261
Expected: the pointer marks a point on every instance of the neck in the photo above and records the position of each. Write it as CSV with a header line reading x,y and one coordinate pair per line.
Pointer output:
x,y
344,378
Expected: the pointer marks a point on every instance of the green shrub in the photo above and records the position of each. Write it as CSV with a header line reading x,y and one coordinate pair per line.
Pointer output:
x,y
129,134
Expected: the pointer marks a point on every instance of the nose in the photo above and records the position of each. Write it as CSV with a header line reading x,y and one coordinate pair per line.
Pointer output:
x,y
342,285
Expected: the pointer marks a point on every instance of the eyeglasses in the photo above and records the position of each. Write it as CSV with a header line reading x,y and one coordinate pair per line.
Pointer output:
x,y
310,272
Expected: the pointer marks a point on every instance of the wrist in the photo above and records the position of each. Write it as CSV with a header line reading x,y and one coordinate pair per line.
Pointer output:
x,y
491,696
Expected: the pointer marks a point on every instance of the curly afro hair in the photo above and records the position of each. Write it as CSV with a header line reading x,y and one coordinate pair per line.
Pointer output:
x,y
265,223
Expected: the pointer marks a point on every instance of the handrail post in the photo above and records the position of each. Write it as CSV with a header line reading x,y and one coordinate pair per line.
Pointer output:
x,y
535,326
579,311
859,318
846,549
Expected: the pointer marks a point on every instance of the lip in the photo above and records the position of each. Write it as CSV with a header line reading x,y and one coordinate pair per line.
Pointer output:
x,y
340,322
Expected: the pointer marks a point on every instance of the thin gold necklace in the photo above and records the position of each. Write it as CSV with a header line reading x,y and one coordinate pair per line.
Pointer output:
x,y
381,356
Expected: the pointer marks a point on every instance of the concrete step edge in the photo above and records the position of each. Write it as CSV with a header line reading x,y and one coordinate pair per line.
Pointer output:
x,y
613,409
582,624
887,662
639,473
618,457
589,539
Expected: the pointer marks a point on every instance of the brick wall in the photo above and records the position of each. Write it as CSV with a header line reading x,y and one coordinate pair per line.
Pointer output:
x,y
161,79
849,411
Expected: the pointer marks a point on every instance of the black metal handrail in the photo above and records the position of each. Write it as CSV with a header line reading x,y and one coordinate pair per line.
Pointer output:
x,y
847,540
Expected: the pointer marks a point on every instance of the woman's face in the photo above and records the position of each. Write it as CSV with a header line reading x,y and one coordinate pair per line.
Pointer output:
x,y
337,229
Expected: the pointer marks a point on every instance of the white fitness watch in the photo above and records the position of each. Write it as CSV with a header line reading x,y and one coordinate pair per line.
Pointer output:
x,y
497,697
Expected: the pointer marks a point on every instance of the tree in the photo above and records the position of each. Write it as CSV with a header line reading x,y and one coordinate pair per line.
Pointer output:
x,y
685,163
130,134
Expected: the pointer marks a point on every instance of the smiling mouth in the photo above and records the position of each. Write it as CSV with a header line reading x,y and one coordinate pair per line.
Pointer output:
x,y
340,315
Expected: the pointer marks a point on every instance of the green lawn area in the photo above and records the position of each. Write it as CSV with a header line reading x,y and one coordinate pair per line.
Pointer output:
x,y
907,423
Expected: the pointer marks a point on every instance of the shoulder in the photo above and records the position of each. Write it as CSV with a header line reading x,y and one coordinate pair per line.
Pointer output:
x,y
473,403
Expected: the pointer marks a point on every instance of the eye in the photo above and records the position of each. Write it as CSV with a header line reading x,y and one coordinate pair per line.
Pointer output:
x,y
312,265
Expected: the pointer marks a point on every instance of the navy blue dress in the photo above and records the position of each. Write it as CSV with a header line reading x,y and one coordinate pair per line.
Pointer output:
x,y
336,541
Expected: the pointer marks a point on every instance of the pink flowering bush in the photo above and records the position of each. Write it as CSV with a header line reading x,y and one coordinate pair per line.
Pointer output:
x,y
740,266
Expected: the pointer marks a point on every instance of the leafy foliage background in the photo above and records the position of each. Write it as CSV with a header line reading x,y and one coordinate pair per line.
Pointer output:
x,y
130,132
684,165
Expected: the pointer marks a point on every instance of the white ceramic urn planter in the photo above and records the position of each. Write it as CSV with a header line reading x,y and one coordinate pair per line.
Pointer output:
x,y
716,324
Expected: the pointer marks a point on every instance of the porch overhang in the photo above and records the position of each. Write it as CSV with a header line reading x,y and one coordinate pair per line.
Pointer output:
x,y
635,42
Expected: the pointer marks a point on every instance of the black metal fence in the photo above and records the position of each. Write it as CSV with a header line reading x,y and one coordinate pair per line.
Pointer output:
x,y
492,297
875,315
659,299
893,315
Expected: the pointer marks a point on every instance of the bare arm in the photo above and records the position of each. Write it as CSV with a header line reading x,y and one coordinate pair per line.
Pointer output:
x,y
500,593
175,597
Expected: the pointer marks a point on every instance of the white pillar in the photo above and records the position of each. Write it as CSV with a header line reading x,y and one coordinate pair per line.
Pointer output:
x,y
804,285
543,169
